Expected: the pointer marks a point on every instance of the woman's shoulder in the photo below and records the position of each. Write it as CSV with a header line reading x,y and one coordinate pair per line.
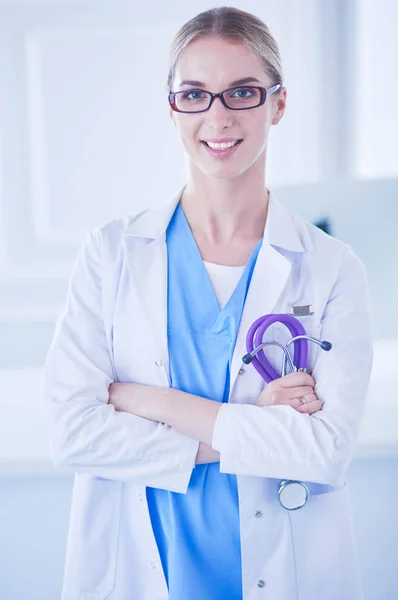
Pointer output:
x,y
315,240
110,234
290,231
149,223
326,252
115,228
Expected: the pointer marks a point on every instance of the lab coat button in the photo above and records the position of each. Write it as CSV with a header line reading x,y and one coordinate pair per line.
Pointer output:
x,y
153,565
140,497
158,363
261,583
258,513
241,371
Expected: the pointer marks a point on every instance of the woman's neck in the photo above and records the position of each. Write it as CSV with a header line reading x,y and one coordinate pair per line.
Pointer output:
x,y
223,211
227,218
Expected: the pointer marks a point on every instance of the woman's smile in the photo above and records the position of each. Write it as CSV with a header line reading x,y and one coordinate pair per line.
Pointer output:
x,y
221,149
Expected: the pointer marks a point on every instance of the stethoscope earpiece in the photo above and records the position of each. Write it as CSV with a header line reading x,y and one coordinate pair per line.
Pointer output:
x,y
247,358
326,346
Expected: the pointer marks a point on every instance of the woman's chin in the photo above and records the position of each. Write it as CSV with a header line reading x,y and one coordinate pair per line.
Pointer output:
x,y
223,172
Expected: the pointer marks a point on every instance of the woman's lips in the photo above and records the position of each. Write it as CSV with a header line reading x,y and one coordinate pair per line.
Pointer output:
x,y
221,153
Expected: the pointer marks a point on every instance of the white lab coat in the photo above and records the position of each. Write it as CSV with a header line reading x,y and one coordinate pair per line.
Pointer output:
x,y
112,327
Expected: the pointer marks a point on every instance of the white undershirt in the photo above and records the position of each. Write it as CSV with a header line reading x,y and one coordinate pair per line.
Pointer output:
x,y
224,280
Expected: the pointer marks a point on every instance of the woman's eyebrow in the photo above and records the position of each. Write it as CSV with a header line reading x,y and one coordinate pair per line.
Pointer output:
x,y
233,83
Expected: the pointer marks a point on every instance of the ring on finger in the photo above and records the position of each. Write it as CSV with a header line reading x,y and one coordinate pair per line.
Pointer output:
x,y
302,400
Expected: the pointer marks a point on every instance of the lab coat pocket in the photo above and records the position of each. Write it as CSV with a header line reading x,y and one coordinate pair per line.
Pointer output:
x,y
92,539
324,548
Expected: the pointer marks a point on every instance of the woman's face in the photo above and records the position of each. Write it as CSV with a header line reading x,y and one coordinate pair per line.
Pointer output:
x,y
217,64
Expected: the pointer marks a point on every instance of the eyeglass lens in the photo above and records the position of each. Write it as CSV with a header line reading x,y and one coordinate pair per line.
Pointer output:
x,y
239,97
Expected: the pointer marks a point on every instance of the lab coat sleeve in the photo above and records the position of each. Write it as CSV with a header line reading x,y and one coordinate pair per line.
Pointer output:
x,y
86,433
280,442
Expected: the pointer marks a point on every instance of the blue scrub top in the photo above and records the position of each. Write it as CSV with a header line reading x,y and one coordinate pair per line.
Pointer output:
x,y
198,533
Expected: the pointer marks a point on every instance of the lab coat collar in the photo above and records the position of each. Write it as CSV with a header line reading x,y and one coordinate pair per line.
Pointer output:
x,y
152,223
280,230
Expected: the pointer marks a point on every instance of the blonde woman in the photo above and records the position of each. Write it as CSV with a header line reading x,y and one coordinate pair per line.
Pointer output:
x,y
179,449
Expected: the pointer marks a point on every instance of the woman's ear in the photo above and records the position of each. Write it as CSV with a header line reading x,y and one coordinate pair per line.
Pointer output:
x,y
280,106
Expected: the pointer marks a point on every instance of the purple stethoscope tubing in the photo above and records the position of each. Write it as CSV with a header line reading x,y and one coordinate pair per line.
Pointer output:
x,y
255,337
292,495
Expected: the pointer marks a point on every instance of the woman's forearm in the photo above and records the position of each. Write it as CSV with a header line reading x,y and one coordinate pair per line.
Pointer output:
x,y
192,415
122,401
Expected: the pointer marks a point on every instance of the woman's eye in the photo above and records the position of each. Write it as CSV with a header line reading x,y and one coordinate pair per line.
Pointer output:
x,y
243,92
192,95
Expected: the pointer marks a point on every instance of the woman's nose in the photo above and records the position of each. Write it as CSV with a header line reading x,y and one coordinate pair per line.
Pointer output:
x,y
219,115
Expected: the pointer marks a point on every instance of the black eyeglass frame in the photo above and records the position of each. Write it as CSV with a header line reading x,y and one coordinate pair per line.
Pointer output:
x,y
264,93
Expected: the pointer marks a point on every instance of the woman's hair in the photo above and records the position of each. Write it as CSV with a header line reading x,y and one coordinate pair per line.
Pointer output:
x,y
233,25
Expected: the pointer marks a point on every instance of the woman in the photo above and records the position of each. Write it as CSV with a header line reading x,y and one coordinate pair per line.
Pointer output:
x,y
178,450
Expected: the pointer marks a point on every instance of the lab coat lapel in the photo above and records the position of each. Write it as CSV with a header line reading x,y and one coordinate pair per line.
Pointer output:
x,y
270,276
271,273
146,256
147,265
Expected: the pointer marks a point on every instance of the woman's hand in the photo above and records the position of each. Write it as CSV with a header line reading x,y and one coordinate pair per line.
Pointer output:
x,y
288,390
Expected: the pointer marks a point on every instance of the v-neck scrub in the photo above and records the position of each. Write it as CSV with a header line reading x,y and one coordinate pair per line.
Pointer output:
x,y
197,533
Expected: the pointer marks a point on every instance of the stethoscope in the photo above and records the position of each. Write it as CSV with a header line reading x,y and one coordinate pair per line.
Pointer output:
x,y
292,495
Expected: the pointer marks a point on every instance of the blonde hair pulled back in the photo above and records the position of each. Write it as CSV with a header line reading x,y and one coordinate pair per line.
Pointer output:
x,y
230,24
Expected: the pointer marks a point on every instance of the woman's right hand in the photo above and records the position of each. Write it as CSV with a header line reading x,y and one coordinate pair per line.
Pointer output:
x,y
288,390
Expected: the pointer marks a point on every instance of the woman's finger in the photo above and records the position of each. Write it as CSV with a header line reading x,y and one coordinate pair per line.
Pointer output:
x,y
298,392
296,379
285,396
311,407
304,399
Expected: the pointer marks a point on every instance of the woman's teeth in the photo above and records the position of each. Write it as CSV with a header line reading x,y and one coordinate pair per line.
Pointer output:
x,y
223,145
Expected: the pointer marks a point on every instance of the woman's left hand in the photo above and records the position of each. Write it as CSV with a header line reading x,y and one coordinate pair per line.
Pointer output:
x,y
295,390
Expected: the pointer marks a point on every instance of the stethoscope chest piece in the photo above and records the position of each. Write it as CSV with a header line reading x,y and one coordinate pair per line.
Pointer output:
x,y
293,495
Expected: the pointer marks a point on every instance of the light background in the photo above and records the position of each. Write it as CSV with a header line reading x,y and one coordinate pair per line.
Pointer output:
x,y
85,136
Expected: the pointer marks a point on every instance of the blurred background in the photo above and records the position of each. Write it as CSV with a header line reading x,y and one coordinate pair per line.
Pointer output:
x,y
85,136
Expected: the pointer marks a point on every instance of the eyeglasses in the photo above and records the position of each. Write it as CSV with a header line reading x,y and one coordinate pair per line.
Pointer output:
x,y
235,98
